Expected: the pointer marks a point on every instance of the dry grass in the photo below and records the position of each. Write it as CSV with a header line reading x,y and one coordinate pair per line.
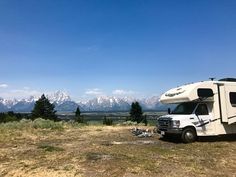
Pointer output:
x,y
108,151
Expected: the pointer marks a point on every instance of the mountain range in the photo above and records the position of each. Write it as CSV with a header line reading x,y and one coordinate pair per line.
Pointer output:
x,y
64,103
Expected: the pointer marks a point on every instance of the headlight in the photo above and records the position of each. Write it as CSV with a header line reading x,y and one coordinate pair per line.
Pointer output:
x,y
175,123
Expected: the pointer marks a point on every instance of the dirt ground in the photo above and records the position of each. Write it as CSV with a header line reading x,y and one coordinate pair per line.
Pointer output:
x,y
110,151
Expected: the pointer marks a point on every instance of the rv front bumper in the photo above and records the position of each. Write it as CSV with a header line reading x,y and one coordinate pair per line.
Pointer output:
x,y
165,125
169,130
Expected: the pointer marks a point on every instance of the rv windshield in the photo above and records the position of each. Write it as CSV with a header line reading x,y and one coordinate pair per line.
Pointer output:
x,y
184,108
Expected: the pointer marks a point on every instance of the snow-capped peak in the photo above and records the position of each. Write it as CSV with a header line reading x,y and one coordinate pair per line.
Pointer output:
x,y
58,97
7,102
30,99
63,102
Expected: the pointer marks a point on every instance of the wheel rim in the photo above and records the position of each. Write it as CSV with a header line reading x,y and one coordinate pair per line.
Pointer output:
x,y
189,135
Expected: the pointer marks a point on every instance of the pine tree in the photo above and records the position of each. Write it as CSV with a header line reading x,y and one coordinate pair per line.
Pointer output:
x,y
44,109
77,112
78,117
136,112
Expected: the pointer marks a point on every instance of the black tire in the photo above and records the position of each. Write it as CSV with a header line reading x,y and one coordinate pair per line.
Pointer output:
x,y
189,135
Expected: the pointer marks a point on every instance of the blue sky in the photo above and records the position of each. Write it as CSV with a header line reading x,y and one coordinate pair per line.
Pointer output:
x,y
114,47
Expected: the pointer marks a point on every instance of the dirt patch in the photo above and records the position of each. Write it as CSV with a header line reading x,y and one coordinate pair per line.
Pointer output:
x,y
98,156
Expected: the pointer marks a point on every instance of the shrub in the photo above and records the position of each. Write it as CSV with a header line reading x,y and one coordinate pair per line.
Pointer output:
x,y
10,116
80,119
47,124
144,120
127,118
20,125
129,122
107,121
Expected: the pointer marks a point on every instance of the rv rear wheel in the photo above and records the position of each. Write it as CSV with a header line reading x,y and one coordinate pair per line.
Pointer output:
x,y
189,135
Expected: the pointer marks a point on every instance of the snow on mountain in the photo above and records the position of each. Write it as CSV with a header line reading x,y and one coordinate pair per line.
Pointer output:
x,y
58,97
67,106
27,104
63,103
29,100
3,107
105,103
8,103
150,103
22,106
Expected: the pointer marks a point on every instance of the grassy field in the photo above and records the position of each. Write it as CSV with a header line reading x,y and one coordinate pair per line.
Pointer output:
x,y
42,148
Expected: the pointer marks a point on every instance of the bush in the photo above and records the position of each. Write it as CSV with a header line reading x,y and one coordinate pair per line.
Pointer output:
x,y
144,120
12,125
107,121
47,124
18,125
80,119
10,117
129,122
72,123
127,118
26,124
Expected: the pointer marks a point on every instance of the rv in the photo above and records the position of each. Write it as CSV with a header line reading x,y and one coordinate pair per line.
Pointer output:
x,y
205,108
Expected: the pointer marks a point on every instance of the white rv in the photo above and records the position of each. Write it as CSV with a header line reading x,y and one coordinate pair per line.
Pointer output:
x,y
203,109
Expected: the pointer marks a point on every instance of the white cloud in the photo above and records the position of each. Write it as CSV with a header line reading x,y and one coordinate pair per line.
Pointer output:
x,y
94,92
24,92
20,93
3,85
123,92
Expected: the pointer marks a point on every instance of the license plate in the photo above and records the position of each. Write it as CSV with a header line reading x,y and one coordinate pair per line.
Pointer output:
x,y
162,133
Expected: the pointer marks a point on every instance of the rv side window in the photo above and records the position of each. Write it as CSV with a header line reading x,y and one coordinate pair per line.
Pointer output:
x,y
202,110
232,97
205,93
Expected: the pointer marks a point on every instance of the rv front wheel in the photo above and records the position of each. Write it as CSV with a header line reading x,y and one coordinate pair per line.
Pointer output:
x,y
189,135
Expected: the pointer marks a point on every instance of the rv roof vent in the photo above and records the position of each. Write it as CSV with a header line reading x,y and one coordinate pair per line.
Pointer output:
x,y
228,79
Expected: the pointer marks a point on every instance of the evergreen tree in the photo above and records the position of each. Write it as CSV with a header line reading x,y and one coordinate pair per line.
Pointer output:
x,y
136,112
77,112
44,109
78,117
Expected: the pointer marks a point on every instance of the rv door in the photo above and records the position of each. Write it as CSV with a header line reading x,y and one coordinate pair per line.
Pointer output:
x,y
230,94
203,116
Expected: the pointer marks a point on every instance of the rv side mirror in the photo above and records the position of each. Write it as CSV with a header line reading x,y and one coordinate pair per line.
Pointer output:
x,y
169,111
